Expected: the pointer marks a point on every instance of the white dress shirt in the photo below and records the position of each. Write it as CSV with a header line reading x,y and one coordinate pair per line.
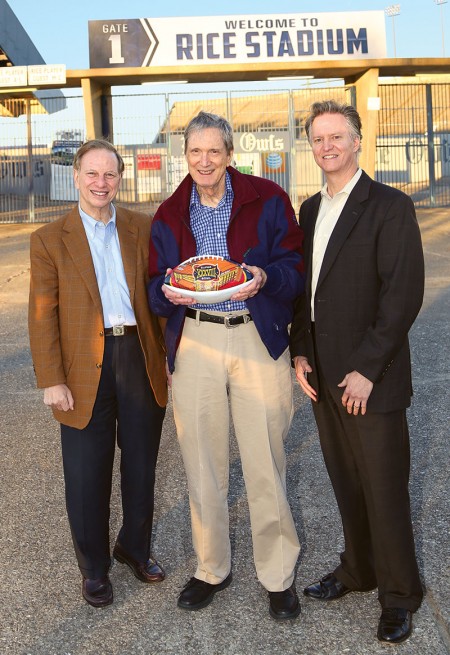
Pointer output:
x,y
329,211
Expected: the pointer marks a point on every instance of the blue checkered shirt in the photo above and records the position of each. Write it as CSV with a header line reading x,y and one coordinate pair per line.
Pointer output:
x,y
210,225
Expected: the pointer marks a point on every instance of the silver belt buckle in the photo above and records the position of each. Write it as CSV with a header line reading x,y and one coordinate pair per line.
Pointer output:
x,y
227,323
118,330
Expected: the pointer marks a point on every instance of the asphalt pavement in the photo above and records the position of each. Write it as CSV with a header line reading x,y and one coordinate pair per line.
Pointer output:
x,y
41,609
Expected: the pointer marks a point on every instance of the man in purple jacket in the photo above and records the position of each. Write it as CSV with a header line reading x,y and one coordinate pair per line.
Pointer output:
x,y
231,353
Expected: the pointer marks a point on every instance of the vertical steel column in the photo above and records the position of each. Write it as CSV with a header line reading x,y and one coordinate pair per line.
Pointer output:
x,y
292,152
30,171
430,145
105,117
170,182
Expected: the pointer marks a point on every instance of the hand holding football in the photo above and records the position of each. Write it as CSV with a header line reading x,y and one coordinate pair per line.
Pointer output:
x,y
208,278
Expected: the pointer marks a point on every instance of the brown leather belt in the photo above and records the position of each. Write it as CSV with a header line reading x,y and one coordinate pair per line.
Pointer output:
x,y
119,330
228,321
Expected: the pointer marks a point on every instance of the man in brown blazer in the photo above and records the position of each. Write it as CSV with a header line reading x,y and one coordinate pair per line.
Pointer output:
x,y
349,340
99,355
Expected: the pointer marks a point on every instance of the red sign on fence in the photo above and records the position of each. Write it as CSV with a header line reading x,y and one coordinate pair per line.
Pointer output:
x,y
149,162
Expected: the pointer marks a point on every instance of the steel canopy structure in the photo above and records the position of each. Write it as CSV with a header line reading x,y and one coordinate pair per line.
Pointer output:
x,y
17,49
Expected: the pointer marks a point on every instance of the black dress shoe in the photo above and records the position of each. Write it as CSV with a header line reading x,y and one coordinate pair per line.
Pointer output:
x,y
284,604
149,571
327,588
97,592
395,625
197,593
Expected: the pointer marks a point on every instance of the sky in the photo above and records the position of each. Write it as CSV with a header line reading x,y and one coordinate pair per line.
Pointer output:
x,y
59,30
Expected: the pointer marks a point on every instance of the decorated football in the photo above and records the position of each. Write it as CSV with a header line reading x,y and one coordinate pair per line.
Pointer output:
x,y
208,278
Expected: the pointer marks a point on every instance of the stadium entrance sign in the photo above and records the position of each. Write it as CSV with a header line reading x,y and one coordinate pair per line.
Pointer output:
x,y
182,41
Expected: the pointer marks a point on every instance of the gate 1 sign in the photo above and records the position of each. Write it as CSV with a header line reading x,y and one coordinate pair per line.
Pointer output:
x,y
121,43
192,40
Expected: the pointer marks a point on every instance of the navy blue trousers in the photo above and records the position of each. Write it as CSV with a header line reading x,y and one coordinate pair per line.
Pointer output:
x,y
125,409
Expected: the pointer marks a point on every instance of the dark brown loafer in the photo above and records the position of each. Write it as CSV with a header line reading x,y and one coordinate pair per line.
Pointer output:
x,y
395,625
97,592
149,571
284,604
327,588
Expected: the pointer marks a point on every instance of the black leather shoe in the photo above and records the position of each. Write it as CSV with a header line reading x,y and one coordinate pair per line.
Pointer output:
x,y
197,594
327,588
395,625
284,604
98,592
149,571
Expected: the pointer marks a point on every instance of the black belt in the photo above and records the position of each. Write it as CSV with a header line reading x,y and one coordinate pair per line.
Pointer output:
x,y
119,330
228,321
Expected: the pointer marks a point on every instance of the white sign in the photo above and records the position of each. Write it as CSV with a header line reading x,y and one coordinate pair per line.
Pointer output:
x,y
62,186
262,142
374,104
128,172
46,74
187,41
13,76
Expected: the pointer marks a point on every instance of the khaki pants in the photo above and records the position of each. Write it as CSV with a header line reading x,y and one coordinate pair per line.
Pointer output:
x,y
210,361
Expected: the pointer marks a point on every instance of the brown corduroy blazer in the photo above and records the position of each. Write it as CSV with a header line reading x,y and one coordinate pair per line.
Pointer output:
x,y
65,310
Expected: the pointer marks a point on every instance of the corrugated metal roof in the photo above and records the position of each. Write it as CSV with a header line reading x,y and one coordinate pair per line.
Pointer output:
x,y
17,49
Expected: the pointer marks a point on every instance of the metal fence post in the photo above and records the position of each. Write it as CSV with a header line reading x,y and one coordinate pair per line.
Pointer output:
x,y
170,183
30,171
292,152
430,145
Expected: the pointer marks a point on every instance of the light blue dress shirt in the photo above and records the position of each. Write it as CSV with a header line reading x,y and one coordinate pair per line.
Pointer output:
x,y
105,249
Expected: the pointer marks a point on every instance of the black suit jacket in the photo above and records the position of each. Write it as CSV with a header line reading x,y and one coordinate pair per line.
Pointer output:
x,y
369,292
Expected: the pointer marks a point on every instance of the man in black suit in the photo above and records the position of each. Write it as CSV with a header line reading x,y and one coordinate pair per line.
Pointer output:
x,y
349,342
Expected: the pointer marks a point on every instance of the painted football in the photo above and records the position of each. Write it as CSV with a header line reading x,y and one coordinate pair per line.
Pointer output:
x,y
208,278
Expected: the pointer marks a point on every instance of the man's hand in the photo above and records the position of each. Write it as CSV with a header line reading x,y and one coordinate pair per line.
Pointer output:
x,y
175,297
356,393
59,397
257,283
302,368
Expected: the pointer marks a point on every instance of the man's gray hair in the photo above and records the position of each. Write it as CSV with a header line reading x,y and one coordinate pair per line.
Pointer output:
x,y
332,107
205,120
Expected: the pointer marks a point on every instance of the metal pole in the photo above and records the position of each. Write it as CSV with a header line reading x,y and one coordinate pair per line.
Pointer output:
x,y
393,11
441,3
170,174
393,36
430,144
292,152
30,170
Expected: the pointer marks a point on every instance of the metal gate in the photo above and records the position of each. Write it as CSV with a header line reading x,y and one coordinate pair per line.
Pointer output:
x,y
36,150
413,144
269,138
36,153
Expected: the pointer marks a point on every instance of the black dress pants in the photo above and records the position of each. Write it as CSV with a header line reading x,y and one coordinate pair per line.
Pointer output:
x,y
125,408
368,461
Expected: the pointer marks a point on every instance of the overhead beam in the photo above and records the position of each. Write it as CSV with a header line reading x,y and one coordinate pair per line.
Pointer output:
x,y
344,69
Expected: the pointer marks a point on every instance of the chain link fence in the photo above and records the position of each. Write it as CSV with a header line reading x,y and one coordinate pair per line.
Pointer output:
x,y
36,150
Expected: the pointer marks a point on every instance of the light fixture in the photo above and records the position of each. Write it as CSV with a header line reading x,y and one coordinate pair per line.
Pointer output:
x,y
290,77
12,89
165,82
392,10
